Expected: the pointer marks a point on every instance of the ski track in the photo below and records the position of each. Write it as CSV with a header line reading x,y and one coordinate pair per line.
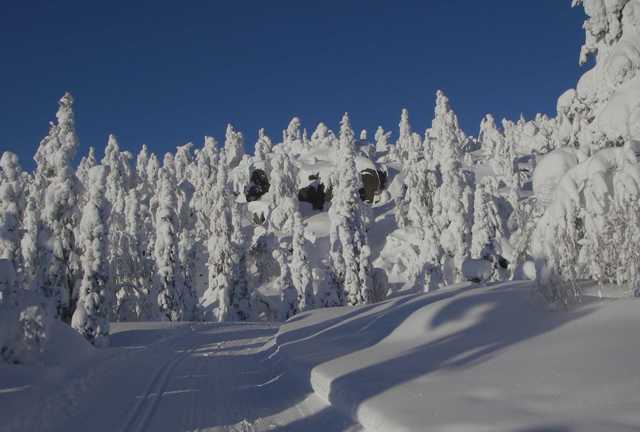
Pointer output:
x,y
213,378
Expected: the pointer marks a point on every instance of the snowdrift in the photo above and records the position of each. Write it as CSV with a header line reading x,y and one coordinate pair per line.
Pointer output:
x,y
468,358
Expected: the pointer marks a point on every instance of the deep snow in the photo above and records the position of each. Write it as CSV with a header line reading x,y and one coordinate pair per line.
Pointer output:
x,y
466,358
473,359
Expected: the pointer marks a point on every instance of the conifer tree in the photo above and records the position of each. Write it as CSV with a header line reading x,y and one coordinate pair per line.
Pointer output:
x,y
348,251
166,249
58,189
91,316
233,147
300,268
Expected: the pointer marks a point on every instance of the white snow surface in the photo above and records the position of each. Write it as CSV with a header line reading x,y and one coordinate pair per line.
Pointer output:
x,y
473,359
165,377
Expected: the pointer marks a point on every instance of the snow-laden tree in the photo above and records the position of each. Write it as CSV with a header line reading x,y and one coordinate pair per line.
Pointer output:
x,y
118,182
348,252
282,193
91,316
233,146
183,162
445,123
136,300
263,146
292,135
451,201
11,208
32,270
322,136
241,296
166,253
490,137
86,163
430,258
58,190
405,141
300,267
24,326
382,140
289,300
222,251
488,227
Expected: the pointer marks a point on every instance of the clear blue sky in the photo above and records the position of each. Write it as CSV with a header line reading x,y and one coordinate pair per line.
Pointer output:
x,y
166,73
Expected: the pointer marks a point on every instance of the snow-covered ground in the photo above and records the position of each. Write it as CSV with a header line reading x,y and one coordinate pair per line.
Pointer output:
x,y
466,358
159,377
473,359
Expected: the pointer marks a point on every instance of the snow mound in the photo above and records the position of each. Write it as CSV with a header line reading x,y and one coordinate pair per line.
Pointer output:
x,y
472,359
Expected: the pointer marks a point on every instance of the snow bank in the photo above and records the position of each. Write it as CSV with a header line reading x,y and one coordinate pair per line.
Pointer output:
x,y
472,359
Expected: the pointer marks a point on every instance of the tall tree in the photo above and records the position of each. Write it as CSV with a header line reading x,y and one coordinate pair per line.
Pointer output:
x,y
348,252
91,317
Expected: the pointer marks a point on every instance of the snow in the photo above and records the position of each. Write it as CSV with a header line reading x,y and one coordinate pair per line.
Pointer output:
x,y
473,359
168,377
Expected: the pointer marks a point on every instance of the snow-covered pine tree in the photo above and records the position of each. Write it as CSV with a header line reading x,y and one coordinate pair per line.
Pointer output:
x,y
117,185
86,163
233,146
349,260
300,267
488,227
430,257
241,296
289,300
12,205
450,201
91,316
58,189
263,146
405,141
382,140
166,251
322,136
292,136
183,161
221,248
282,193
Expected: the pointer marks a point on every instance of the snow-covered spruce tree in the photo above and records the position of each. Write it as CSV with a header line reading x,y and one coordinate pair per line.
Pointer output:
x,y
487,228
233,146
450,202
222,252
289,301
166,251
241,297
490,137
183,162
300,266
292,135
322,136
91,317
118,182
32,270
382,140
348,251
405,141
12,190
282,193
59,190
86,163
430,258
263,146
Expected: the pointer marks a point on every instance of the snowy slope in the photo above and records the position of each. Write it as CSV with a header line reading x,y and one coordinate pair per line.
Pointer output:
x,y
168,377
468,358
